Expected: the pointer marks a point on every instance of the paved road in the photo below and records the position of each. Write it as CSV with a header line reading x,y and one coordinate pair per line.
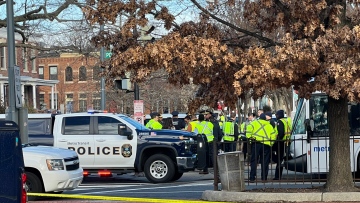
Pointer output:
x,y
189,187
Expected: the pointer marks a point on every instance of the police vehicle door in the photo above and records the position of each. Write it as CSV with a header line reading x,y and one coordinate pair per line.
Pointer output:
x,y
78,136
115,150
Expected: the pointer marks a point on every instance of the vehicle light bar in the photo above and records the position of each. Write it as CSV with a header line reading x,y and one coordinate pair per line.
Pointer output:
x,y
96,111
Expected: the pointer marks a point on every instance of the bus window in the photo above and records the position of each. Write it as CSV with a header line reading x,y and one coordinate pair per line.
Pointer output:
x,y
299,127
318,113
354,118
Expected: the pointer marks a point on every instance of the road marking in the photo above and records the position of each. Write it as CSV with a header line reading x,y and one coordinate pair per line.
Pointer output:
x,y
127,199
105,186
152,188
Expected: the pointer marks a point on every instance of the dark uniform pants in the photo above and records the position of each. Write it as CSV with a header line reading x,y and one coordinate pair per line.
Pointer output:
x,y
279,148
264,151
229,146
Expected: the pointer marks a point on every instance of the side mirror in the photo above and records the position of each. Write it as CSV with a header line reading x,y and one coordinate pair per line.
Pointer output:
x,y
122,130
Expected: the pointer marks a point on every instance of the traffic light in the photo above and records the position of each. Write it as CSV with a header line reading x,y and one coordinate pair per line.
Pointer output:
x,y
123,84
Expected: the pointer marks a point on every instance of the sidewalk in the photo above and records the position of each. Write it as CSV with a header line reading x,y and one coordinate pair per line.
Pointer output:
x,y
281,197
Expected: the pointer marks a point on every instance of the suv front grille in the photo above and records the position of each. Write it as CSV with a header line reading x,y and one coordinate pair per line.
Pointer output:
x,y
72,163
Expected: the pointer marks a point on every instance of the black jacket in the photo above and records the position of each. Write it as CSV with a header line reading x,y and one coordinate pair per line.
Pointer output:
x,y
280,129
178,123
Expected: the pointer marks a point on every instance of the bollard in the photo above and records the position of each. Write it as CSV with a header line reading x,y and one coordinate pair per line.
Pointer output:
x,y
231,170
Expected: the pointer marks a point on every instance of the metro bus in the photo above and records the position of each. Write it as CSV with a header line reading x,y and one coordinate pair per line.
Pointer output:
x,y
309,148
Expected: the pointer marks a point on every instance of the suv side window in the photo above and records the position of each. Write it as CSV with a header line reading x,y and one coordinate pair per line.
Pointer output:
x,y
108,125
78,125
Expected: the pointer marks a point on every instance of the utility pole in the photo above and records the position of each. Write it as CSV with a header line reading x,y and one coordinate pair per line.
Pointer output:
x,y
102,57
12,113
136,91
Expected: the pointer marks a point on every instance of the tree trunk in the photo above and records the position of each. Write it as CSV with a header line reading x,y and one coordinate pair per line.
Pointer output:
x,y
339,178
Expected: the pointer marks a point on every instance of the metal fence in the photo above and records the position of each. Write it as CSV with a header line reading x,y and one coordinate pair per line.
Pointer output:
x,y
295,164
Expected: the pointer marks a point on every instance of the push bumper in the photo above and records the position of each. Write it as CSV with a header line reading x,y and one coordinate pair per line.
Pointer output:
x,y
186,163
62,180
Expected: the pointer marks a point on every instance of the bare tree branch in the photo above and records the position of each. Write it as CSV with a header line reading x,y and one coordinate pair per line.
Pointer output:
x,y
261,38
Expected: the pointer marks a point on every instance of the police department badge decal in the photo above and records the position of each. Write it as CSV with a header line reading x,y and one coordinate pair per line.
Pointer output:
x,y
126,150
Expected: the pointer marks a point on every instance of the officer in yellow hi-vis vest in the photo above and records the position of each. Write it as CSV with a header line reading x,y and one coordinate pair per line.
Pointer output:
x,y
206,128
154,123
263,135
242,136
231,133
191,122
283,129
222,120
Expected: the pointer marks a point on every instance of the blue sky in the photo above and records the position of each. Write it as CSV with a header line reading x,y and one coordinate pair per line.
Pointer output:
x,y
184,11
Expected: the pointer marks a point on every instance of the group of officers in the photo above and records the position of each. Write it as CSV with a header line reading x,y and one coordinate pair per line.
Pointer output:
x,y
265,138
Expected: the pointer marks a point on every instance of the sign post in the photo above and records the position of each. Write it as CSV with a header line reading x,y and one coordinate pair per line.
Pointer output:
x,y
139,111
18,95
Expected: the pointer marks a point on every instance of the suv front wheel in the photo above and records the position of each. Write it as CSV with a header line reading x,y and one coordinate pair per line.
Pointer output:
x,y
159,168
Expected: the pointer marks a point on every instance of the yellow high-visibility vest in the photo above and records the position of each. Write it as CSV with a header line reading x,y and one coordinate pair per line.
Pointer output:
x,y
206,128
228,131
287,128
262,131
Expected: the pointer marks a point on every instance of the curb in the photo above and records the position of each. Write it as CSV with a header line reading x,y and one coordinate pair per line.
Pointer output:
x,y
228,196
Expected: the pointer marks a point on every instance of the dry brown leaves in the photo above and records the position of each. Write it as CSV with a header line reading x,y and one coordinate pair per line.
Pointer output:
x,y
318,45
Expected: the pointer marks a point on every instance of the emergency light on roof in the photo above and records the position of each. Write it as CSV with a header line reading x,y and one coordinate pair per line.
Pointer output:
x,y
96,111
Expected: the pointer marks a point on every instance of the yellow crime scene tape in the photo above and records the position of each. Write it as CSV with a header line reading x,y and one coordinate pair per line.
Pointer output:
x,y
109,198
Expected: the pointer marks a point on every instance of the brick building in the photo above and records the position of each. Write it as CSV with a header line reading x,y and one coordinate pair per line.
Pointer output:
x,y
26,59
79,82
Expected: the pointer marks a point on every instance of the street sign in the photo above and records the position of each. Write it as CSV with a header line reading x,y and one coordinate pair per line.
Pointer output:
x,y
108,54
138,106
18,95
139,111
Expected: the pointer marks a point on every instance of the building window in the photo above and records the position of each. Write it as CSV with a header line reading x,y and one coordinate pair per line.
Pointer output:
x,y
2,58
82,73
96,101
69,97
53,72
33,61
42,102
82,102
25,60
41,72
96,73
68,74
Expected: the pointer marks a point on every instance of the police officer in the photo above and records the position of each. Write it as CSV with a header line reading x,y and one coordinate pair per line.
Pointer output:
x,y
231,133
210,116
178,123
262,135
283,130
154,123
191,123
206,128
242,135
222,120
